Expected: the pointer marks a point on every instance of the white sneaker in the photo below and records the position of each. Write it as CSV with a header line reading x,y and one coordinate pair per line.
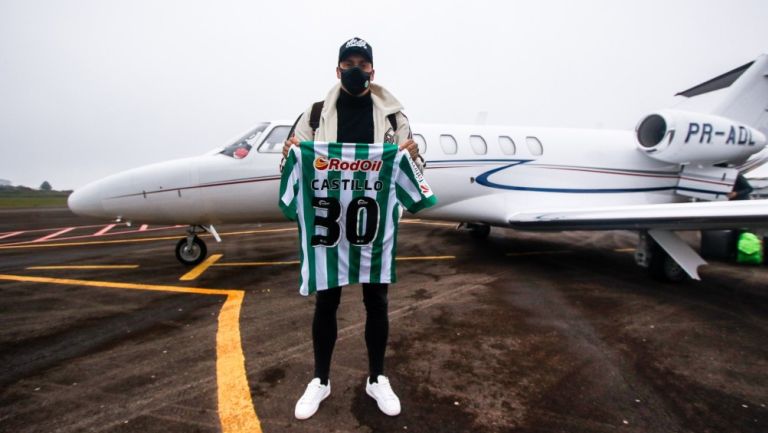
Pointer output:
x,y
385,398
310,401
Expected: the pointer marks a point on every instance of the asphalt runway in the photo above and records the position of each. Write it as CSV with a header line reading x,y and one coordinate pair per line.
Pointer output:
x,y
521,332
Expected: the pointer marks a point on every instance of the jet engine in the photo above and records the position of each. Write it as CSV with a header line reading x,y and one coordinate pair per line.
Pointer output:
x,y
683,137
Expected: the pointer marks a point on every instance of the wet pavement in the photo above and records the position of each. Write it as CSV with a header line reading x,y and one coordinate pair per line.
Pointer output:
x,y
520,332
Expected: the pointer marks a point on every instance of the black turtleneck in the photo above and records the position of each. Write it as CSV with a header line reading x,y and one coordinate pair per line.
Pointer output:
x,y
355,115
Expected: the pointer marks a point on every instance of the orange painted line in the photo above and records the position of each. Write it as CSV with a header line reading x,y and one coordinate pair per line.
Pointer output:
x,y
8,235
124,232
53,235
235,404
104,230
50,229
127,241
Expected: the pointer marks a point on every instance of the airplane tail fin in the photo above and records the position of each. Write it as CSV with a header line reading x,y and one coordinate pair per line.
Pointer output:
x,y
740,95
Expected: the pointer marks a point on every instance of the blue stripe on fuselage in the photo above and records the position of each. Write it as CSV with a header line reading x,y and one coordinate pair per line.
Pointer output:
x,y
483,179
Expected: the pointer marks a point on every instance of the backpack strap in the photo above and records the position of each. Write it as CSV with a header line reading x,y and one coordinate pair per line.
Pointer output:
x,y
393,121
292,132
314,116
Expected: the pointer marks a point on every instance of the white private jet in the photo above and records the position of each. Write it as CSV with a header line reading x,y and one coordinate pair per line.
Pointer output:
x,y
505,176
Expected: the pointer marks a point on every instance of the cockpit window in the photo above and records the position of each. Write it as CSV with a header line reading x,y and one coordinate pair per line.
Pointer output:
x,y
274,141
240,148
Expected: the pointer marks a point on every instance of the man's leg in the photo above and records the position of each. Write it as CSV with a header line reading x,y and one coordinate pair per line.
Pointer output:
x,y
324,330
376,327
323,340
376,332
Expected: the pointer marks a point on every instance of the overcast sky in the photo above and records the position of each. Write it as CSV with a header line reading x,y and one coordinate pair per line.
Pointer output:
x,y
88,88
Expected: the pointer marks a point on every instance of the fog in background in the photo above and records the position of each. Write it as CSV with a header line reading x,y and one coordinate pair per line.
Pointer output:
x,y
89,88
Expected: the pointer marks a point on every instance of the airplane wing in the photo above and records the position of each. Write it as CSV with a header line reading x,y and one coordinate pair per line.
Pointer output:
x,y
672,216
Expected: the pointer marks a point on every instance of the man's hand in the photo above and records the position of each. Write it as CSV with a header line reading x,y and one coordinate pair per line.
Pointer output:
x,y
293,141
411,147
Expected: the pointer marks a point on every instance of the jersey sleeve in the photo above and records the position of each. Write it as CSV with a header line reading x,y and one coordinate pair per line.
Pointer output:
x,y
412,190
289,184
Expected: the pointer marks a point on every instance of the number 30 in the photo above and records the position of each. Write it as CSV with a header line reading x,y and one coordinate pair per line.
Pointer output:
x,y
358,207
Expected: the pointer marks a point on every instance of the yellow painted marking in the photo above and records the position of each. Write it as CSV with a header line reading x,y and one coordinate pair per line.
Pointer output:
x,y
126,241
202,267
296,262
625,250
290,262
538,253
426,258
85,267
429,223
236,411
116,285
235,406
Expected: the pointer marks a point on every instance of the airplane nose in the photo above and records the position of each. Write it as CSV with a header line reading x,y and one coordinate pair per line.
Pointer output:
x,y
86,202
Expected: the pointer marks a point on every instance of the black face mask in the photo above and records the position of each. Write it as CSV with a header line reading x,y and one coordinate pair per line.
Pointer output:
x,y
355,80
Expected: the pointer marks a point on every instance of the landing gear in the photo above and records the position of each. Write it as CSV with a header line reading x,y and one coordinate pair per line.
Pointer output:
x,y
477,231
665,268
661,266
191,250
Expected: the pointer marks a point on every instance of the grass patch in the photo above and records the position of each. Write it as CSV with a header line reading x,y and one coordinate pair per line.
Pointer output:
x,y
21,197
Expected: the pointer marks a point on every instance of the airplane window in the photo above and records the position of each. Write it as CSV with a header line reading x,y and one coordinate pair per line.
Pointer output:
x,y
421,142
448,143
478,144
507,145
240,148
534,145
275,140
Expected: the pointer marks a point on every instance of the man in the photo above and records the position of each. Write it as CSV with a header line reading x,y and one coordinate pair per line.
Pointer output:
x,y
354,111
741,189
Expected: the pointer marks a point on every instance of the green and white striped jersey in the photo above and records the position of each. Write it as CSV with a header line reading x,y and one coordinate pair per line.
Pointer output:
x,y
347,198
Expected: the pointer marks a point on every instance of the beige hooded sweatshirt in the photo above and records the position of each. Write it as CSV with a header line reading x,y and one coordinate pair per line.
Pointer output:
x,y
384,104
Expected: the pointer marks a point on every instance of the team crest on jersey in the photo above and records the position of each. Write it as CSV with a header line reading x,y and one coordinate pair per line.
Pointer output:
x,y
336,164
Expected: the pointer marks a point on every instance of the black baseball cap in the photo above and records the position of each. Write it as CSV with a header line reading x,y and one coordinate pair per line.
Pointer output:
x,y
358,46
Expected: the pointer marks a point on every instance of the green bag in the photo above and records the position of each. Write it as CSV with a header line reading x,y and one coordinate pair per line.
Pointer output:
x,y
750,249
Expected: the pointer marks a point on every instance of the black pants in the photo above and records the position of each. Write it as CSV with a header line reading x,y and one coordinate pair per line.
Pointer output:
x,y
324,328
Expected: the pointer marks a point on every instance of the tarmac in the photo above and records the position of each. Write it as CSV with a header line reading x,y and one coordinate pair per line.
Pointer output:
x,y
101,329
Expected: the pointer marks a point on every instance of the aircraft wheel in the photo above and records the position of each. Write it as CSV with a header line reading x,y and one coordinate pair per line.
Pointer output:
x,y
665,268
191,255
480,231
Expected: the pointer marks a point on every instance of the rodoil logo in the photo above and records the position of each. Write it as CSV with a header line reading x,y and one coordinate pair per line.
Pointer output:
x,y
336,164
